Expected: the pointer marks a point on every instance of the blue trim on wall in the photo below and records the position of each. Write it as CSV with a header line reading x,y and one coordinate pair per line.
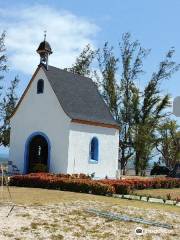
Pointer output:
x,y
26,151
95,158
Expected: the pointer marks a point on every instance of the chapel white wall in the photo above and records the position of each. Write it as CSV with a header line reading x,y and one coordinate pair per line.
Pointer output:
x,y
40,113
79,143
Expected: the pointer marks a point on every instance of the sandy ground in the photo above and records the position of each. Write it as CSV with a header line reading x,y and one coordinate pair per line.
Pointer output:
x,y
70,221
65,218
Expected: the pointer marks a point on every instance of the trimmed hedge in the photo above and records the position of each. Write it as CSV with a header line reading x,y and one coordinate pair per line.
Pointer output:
x,y
54,182
82,183
128,185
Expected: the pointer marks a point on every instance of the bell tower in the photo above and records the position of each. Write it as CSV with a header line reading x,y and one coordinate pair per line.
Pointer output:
x,y
44,51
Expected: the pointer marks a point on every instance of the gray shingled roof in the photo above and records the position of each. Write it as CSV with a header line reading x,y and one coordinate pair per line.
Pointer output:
x,y
79,96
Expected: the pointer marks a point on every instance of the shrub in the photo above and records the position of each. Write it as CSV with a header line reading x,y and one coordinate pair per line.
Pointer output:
x,y
128,185
62,175
81,183
65,184
123,188
160,170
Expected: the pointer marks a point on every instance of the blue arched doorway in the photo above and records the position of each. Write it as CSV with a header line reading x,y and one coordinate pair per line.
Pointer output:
x,y
37,153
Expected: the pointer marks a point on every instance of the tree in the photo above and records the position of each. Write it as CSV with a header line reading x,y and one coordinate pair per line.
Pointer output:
x,y
83,62
121,95
108,85
7,107
3,57
132,56
152,112
137,112
8,98
168,142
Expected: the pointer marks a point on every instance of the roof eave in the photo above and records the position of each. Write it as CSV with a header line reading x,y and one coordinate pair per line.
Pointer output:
x,y
94,123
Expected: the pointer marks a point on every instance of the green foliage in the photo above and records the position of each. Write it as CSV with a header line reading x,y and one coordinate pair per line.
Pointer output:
x,y
168,142
3,57
138,111
152,112
83,62
7,106
132,55
108,68
8,98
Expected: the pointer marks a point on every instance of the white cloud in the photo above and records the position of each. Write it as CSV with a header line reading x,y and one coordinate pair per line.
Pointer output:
x,y
66,33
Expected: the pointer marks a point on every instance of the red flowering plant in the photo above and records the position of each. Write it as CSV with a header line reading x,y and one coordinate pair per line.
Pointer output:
x,y
51,181
127,185
82,183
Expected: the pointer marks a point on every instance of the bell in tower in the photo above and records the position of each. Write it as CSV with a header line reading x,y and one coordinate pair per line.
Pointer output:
x,y
44,51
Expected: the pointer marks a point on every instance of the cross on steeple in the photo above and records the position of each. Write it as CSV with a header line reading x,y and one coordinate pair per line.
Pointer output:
x,y
45,35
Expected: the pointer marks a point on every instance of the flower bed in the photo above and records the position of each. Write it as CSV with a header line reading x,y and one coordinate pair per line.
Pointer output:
x,y
51,181
128,185
83,183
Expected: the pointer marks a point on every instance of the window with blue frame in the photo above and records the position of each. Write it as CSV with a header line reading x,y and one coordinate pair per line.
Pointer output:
x,y
40,86
94,149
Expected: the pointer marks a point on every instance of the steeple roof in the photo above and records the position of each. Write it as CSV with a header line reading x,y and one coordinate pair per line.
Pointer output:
x,y
44,46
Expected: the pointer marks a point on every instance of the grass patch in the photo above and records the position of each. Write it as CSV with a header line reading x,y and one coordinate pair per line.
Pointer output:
x,y
160,193
7,234
40,197
24,229
34,225
25,215
57,237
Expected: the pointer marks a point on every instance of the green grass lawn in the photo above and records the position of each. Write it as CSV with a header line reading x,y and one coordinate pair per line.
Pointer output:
x,y
174,193
50,214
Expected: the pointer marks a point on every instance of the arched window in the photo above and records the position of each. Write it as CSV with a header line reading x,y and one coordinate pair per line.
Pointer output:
x,y
94,149
40,86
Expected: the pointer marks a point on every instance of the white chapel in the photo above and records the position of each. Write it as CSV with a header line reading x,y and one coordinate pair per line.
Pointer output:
x,y
61,124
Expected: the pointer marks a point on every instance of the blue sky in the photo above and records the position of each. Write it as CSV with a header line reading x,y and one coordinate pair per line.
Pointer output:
x,y
72,24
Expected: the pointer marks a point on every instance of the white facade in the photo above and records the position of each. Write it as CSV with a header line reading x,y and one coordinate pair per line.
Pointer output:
x,y
79,148
69,142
